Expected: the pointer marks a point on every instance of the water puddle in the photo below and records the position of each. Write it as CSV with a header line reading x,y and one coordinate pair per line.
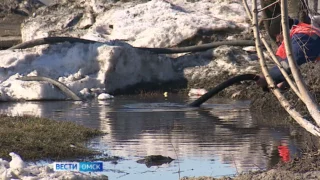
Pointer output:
x,y
220,138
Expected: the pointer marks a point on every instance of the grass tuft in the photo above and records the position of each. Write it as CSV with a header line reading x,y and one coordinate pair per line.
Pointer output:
x,y
35,138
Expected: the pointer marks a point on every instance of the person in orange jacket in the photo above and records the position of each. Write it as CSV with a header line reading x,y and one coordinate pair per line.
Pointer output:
x,y
305,41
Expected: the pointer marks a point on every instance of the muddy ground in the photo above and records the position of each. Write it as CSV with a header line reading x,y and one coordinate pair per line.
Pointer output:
x,y
305,167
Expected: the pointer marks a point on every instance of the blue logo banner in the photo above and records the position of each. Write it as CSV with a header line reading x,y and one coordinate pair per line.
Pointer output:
x,y
91,166
78,166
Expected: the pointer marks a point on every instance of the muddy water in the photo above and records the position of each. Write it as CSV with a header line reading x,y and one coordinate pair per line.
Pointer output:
x,y
220,138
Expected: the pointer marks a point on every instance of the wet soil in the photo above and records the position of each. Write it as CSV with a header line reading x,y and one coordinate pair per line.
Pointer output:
x,y
265,101
10,23
304,166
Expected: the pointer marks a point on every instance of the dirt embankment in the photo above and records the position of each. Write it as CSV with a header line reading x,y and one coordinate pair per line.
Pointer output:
x,y
12,14
305,166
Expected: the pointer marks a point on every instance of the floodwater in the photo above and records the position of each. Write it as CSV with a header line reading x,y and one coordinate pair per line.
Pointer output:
x,y
219,139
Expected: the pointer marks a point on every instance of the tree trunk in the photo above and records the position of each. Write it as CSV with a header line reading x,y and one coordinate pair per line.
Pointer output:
x,y
305,94
269,13
315,5
297,9
283,101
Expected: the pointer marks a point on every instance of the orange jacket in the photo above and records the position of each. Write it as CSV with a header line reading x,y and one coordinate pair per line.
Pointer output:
x,y
301,28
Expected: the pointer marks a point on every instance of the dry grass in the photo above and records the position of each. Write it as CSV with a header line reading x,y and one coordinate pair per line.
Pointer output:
x,y
39,138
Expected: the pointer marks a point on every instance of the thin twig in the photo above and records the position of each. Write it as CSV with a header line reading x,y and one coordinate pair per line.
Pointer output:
x,y
268,19
266,7
283,71
177,159
234,162
274,58
283,101
306,96
246,7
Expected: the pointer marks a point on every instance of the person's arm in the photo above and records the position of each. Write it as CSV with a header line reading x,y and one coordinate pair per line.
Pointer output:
x,y
303,50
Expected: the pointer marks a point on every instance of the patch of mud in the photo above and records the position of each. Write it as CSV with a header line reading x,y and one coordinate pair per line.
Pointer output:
x,y
156,88
306,165
12,14
6,6
266,101
20,7
272,174
309,161
261,100
223,63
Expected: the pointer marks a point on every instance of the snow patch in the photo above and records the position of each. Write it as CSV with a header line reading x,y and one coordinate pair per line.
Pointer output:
x,y
17,169
92,69
159,23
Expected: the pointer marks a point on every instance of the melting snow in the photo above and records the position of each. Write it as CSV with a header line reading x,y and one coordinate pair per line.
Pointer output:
x,y
92,69
17,169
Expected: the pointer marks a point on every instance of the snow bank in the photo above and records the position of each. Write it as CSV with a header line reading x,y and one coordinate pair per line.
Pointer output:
x,y
92,69
159,23
88,70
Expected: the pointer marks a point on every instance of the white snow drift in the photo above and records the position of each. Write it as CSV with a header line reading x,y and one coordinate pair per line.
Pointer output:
x,y
92,69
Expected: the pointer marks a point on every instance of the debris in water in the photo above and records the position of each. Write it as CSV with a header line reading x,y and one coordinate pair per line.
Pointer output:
x,y
155,160
197,92
105,96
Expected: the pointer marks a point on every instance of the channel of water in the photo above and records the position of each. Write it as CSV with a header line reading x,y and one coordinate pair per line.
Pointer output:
x,y
219,138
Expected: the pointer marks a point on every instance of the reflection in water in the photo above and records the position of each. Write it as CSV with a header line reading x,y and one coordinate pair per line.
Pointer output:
x,y
214,140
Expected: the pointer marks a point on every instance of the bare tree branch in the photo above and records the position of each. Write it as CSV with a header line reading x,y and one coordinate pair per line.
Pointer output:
x,y
246,7
268,19
283,71
306,97
262,9
274,58
283,101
